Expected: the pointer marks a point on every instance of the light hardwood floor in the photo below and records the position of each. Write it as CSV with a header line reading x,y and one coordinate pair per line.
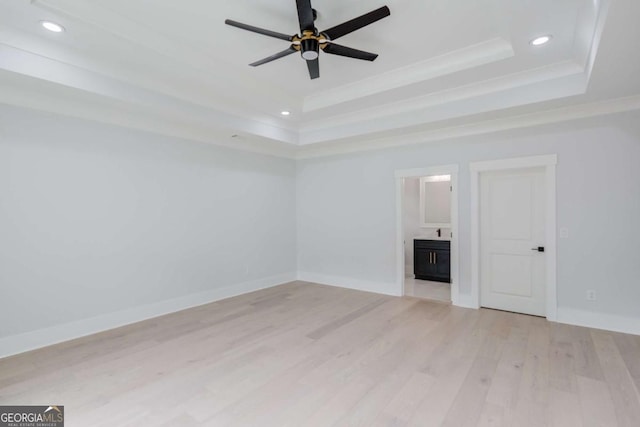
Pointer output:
x,y
311,355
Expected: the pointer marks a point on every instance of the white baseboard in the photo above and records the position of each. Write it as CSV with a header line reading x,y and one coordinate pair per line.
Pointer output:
x,y
595,320
464,301
349,283
589,319
21,343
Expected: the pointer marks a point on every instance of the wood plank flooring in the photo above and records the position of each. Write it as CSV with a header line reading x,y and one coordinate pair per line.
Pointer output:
x,y
309,355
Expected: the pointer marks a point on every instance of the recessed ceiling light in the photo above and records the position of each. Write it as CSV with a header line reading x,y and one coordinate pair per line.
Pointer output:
x,y
285,113
539,41
52,26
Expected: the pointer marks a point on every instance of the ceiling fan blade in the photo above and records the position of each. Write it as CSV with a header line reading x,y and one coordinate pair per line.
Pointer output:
x,y
258,30
356,23
314,68
336,49
305,15
274,57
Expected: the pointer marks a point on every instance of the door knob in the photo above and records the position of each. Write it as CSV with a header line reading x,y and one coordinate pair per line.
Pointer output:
x,y
538,249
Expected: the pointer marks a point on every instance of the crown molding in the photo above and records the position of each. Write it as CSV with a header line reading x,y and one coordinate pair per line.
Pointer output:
x,y
40,95
459,60
551,116
499,84
558,80
35,66
36,94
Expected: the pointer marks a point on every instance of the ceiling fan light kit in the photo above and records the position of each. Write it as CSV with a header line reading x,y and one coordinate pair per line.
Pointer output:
x,y
310,49
311,41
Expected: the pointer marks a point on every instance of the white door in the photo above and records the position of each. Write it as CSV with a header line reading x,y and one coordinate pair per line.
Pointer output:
x,y
512,233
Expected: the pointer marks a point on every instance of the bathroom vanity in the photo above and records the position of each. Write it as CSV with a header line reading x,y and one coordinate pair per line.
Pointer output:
x,y
432,260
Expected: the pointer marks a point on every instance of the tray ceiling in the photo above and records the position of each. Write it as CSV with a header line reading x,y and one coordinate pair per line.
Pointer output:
x,y
175,68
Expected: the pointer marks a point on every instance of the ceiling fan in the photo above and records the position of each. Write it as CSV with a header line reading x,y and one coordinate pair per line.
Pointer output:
x,y
311,40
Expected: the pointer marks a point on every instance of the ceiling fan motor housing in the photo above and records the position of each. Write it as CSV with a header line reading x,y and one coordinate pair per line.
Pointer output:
x,y
309,48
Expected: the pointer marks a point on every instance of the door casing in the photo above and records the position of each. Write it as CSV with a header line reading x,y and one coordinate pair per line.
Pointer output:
x,y
400,175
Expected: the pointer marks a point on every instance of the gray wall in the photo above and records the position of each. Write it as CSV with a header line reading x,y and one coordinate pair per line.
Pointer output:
x,y
96,219
346,208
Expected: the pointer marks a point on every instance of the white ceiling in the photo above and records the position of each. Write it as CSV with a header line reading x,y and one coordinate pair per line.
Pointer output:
x,y
176,68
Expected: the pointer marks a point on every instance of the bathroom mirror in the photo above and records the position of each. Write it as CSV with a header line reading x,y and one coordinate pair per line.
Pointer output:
x,y
435,201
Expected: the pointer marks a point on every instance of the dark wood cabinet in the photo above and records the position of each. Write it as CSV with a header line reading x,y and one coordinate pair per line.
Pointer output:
x,y
432,260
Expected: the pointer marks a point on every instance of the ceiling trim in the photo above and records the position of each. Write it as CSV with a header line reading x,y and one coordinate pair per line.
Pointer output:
x,y
558,115
194,88
41,95
497,84
542,84
459,60
66,75
565,78
33,93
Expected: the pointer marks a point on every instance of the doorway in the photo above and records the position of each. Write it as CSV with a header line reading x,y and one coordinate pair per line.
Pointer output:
x,y
427,233
513,235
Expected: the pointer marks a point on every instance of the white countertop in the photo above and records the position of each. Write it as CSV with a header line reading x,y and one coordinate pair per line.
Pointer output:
x,y
443,238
